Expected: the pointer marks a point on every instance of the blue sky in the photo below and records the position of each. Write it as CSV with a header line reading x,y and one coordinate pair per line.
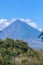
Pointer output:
x,y
27,9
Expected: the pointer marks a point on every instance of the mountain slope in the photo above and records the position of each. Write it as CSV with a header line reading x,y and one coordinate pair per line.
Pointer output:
x,y
20,30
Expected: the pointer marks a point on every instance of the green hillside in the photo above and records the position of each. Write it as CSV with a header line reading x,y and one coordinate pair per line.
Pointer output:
x,y
17,52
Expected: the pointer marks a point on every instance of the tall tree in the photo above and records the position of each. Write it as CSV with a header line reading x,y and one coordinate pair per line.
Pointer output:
x,y
41,35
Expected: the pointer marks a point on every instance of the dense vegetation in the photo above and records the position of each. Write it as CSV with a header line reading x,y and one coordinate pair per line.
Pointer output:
x,y
17,52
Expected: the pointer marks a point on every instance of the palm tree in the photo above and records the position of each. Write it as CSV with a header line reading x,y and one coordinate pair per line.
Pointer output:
x,y
41,35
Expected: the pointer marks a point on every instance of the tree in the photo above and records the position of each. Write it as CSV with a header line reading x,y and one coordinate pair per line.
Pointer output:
x,y
41,35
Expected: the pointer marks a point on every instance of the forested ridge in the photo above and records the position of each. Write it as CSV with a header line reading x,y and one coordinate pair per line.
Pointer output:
x,y
18,52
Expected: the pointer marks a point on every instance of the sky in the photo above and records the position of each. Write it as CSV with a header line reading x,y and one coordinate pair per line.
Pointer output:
x,y
30,11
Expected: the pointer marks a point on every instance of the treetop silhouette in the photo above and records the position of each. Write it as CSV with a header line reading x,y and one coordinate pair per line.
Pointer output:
x,y
41,35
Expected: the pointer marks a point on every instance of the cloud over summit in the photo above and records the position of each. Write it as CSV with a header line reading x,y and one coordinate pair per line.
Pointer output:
x,y
28,21
4,22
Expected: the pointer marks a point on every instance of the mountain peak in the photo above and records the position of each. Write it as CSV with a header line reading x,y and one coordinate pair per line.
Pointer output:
x,y
21,31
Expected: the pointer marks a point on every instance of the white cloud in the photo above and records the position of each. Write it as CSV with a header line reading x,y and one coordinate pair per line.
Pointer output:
x,y
41,30
4,22
28,21
14,19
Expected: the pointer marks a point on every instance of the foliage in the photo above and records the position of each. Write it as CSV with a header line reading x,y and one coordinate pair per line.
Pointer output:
x,y
16,52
